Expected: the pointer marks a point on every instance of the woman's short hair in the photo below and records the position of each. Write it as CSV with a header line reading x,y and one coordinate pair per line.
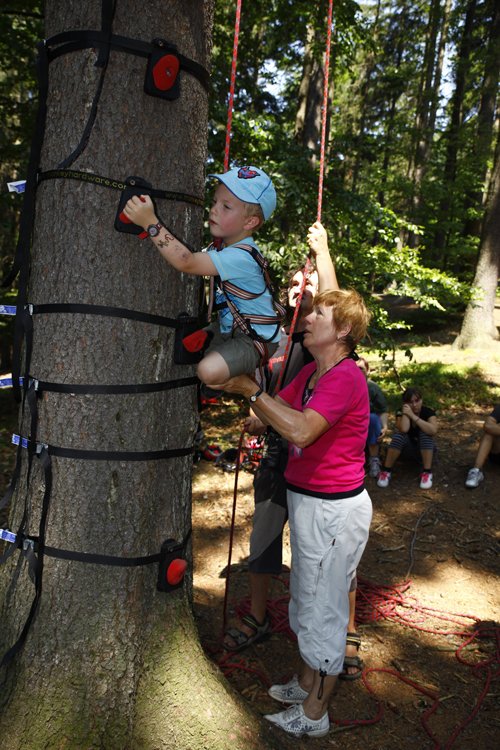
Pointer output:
x,y
409,394
349,311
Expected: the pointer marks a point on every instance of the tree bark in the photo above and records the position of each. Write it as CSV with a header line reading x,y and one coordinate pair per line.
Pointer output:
x,y
478,327
308,116
110,662
485,141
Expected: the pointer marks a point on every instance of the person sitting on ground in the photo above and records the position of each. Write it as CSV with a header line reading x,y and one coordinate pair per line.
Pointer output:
x,y
323,414
489,448
270,513
378,419
416,427
248,329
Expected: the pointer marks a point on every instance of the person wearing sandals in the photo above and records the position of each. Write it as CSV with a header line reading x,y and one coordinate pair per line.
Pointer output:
x,y
324,415
270,514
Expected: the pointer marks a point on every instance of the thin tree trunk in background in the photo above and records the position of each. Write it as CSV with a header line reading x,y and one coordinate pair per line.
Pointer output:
x,y
110,662
485,125
478,327
427,106
454,131
308,117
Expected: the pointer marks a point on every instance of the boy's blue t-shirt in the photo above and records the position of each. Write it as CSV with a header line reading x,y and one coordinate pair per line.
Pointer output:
x,y
238,266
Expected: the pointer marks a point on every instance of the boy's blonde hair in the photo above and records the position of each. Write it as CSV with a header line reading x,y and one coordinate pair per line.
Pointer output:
x,y
253,209
349,311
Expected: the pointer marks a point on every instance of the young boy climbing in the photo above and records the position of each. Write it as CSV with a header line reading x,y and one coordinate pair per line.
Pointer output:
x,y
248,329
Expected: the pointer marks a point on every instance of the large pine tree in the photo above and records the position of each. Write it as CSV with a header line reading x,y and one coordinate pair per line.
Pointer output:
x,y
109,661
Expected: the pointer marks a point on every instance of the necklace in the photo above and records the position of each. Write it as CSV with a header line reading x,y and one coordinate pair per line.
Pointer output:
x,y
319,373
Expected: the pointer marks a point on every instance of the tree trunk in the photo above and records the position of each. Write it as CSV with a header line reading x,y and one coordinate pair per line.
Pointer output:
x,y
427,105
109,661
454,129
308,117
485,140
478,327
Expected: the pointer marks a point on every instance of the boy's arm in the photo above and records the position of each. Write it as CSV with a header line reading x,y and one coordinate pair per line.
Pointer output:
x,y
140,210
317,240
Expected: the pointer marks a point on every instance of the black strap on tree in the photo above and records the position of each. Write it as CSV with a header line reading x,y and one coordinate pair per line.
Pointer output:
x,y
164,63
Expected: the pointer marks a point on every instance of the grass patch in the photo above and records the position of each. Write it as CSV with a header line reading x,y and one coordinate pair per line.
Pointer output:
x,y
444,387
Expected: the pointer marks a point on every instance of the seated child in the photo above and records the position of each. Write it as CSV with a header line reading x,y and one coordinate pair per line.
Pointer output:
x,y
248,330
378,419
416,426
489,447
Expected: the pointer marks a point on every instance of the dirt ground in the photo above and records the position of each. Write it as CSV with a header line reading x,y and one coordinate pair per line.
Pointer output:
x,y
428,601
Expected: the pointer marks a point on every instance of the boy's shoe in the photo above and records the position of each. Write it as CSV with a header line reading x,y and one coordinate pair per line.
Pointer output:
x,y
294,721
384,478
374,470
290,692
426,480
474,478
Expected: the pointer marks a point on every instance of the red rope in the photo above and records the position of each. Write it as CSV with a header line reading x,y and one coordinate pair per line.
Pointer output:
x,y
375,602
324,117
232,85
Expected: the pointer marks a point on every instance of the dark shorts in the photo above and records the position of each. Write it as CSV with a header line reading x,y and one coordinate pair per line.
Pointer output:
x,y
270,514
237,350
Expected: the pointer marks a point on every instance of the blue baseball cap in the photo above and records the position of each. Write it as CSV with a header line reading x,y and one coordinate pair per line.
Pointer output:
x,y
252,185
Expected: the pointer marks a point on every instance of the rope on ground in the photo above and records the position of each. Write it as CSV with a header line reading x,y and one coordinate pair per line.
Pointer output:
x,y
391,603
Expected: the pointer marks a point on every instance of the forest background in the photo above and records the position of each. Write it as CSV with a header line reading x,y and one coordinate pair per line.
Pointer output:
x,y
411,204
412,171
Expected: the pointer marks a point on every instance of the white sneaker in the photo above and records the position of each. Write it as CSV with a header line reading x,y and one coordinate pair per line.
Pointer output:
x,y
294,721
384,478
374,470
289,693
426,480
474,478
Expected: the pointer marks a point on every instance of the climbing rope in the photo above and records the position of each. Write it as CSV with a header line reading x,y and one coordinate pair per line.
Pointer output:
x,y
374,603
232,85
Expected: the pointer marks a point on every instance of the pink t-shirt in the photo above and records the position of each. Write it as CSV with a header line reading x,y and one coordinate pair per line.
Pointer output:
x,y
334,463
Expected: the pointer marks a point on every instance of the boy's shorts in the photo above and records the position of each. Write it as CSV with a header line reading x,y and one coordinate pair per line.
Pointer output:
x,y
237,350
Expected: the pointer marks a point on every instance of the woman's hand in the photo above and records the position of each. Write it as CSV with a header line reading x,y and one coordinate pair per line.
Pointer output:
x,y
253,425
242,384
408,411
317,239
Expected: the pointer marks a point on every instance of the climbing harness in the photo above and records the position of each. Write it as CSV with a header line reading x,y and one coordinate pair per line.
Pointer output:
x,y
244,322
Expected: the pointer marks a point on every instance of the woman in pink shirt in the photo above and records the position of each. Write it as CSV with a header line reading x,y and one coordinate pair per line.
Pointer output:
x,y
324,415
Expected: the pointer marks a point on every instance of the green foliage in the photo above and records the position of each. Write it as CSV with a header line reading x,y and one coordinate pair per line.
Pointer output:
x,y
20,29
443,387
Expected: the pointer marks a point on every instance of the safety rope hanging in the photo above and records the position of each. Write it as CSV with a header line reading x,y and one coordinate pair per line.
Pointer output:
x,y
232,85
324,121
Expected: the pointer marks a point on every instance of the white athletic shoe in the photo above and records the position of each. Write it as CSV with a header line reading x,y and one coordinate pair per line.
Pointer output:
x,y
426,480
384,478
294,721
289,693
474,478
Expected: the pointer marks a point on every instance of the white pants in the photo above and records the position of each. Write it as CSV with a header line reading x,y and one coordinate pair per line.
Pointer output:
x,y
327,539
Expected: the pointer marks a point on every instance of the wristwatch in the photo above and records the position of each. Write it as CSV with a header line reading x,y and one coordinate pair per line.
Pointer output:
x,y
154,229
255,396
